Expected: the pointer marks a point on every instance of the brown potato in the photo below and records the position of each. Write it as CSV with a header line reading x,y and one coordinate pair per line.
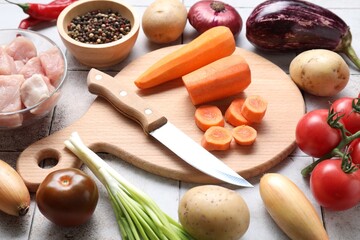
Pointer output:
x,y
164,20
320,72
212,212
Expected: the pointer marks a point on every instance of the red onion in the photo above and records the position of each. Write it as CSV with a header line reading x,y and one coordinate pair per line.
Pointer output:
x,y
204,15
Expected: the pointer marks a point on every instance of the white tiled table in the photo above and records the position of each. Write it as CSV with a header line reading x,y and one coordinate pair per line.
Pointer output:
x,y
76,101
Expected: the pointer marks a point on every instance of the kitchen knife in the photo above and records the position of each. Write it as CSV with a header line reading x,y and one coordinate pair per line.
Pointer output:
x,y
155,124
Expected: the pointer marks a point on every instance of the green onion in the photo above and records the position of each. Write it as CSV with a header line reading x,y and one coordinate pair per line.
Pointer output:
x,y
137,215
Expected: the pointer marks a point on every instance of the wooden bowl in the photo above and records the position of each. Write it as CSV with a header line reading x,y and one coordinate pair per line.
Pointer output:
x,y
99,55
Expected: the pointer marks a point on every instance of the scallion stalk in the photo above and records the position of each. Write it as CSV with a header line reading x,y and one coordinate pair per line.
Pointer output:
x,y
138,216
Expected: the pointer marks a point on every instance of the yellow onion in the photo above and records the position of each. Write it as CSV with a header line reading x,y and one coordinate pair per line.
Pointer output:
x,y
14,195
290,208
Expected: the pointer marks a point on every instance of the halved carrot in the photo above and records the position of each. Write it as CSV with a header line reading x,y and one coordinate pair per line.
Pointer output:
x,y
215,43
222,78
254,108
244,135
207,116
233,114
216,138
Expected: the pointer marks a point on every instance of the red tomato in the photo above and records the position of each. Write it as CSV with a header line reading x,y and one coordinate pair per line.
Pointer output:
x,y
314,136
351,118
354,149
333,188
67,197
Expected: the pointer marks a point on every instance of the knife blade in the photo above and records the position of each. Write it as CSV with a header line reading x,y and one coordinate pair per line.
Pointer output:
x,y
156,125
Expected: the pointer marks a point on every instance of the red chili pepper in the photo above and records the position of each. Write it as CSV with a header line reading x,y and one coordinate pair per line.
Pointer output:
x,y
29,22
46,12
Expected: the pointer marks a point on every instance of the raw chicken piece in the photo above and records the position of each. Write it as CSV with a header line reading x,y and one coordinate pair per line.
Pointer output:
x,y
7,64
48,104
21,48
10,100
34,90
53,64
31,67
18,65
10,92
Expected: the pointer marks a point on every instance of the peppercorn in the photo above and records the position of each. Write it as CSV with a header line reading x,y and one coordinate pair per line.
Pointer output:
x,y
98,27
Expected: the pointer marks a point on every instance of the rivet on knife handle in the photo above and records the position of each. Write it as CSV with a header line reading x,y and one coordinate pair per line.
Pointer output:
x,y
125,100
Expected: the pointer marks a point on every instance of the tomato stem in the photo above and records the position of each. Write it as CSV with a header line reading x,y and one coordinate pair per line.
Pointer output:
x,y
356,105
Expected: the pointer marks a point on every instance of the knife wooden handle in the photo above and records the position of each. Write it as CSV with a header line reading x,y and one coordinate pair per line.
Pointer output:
x,y
124,100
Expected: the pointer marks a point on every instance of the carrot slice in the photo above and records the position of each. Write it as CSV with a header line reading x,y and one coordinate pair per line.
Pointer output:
x,y
254,108
244,135
233,114
207,116
216,138
222,78
215,43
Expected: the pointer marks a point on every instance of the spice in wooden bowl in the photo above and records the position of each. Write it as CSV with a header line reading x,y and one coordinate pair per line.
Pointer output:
x,y
98,26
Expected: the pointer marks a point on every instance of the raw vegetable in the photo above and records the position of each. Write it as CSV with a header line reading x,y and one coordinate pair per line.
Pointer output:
x,y
233,114
29,22
320,72
314,136
354,151
316,131
290,208
212,212
32,21
44,12
137,215
335,185
254,108
207,116
164,20
244,135
204,15
350,109
15,197
67,197
216,139
220,79
213,44
279,25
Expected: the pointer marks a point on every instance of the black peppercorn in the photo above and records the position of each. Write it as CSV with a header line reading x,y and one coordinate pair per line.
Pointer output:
x,y
98,27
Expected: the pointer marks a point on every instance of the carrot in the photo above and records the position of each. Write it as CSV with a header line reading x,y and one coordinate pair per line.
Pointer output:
x,y
254,108
233,114
244,135
222,78
207,116
211,45
216,138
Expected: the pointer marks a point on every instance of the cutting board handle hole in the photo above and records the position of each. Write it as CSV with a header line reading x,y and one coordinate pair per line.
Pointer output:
x,y
48,158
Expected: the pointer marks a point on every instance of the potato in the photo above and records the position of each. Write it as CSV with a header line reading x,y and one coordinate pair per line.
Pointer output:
x,y
320,72
164,20
212,212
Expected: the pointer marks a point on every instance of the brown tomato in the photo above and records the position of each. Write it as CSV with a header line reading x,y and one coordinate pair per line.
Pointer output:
x,y
67,197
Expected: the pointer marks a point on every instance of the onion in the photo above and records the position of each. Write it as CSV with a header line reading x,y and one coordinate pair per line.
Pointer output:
x,y
14,196
204,15
290,208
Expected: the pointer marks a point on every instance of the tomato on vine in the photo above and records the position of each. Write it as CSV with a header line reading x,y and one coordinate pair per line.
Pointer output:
x,y
333,187
314,135
349,108
354,151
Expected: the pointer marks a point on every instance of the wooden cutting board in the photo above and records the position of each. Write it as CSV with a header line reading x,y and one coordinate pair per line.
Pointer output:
x,y
104,129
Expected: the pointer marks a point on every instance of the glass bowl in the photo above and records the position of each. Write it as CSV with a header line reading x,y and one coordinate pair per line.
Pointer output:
x,y
28,110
